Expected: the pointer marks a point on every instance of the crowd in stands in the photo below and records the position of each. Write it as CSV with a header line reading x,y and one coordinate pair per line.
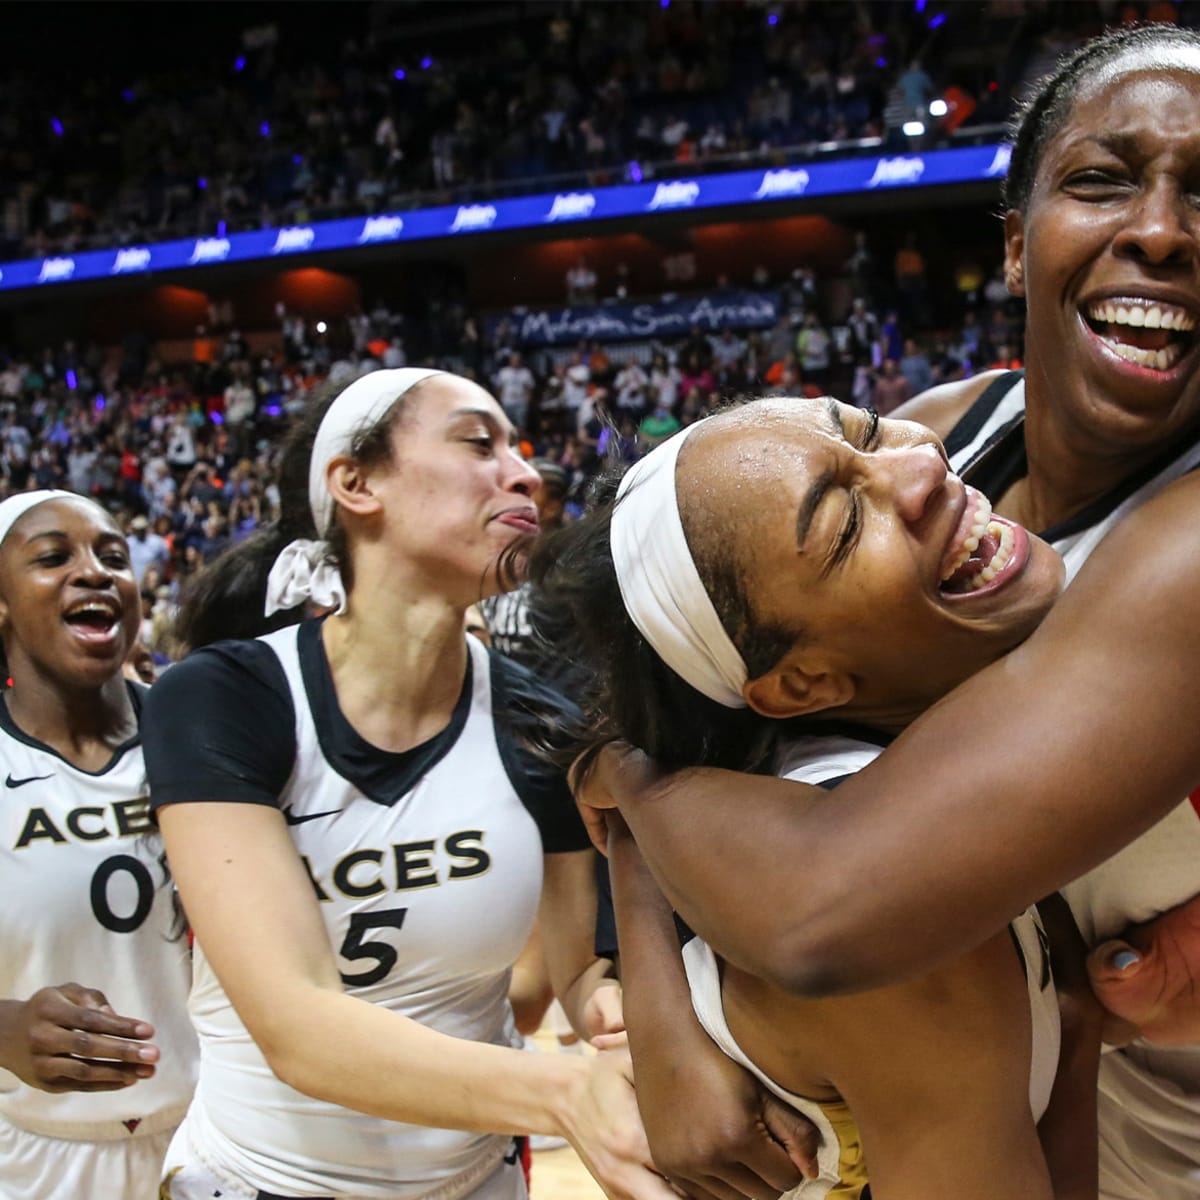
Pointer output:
x,y
186,452
276,134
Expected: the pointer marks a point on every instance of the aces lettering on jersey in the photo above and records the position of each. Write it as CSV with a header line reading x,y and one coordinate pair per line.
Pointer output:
x,y
404,867
88,823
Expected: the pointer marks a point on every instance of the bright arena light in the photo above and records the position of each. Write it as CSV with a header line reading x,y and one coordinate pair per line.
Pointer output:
x,y
321,326
913,128
938,108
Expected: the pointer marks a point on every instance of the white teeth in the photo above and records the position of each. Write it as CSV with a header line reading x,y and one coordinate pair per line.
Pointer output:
x,y
1142,313
99,610
1004,534
979,526
1158,360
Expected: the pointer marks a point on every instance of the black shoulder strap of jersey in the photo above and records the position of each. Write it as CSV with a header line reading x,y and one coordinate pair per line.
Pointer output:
x,y
978,415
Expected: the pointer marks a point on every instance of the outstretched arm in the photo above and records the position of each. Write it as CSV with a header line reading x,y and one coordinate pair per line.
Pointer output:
x,y
1024,778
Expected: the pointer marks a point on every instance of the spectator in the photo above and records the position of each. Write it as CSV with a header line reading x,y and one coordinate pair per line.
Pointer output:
x,y
910,279
891,388
664,382
914,366
576,379
514,384
631,384
812,350
656,427
146,548
581,283
239,398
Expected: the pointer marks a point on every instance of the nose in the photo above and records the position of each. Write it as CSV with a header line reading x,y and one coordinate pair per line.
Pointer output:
x,y
519,475
1159,231
910,477
91,571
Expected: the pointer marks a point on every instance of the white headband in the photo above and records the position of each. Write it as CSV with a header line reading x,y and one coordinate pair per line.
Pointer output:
x,y
303,570
660,585
15,507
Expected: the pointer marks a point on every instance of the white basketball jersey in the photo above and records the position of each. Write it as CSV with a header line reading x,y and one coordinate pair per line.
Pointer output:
x,y
1157,1088
427,901
84,898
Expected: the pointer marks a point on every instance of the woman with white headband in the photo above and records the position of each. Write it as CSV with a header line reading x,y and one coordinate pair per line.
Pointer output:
x,y
361,838
97,1056
737,611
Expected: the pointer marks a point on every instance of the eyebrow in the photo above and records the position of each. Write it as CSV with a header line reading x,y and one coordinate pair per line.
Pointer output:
x,y
821,485
1123,145
487,416
107,535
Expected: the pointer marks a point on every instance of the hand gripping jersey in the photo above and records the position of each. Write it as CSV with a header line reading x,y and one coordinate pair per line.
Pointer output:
x,y
1150,1110
427,868
84,898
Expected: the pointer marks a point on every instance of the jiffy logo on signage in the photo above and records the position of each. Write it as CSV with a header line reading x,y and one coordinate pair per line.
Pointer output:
x,y
897,170
56,269
788,181
211,250
678,194
295,237
1000,161
381,229
473,216
571,206
136,258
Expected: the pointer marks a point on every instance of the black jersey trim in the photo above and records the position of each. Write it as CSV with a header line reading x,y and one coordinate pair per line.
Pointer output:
x,y
1005,461
524,711
221,725
135,693
832,782
973,420
384,776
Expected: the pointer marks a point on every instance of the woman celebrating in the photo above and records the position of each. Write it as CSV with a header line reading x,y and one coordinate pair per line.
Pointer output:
x,y
360,840
1085,741
88,1102
722,528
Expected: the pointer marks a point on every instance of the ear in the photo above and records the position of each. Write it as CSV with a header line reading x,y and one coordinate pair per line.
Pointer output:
x,y
791,689
349,484
1014,252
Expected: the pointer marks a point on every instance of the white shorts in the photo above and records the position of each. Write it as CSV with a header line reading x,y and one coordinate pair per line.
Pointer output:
x,y
36,1167
186,1177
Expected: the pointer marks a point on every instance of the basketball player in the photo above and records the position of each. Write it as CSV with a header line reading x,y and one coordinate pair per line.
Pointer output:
x,y
1085,741
651,581
361,841
96,1074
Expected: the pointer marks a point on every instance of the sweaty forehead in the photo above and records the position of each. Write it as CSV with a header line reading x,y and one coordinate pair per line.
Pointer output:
x,y
1159,59
754,443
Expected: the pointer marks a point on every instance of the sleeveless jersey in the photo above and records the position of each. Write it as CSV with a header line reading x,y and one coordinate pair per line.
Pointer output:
x,y
842,1170
428,884
1155,1124
84,898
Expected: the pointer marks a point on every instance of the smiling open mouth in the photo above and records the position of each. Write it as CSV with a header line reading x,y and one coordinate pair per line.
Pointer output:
x,y
1146,333
95,620
984,551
